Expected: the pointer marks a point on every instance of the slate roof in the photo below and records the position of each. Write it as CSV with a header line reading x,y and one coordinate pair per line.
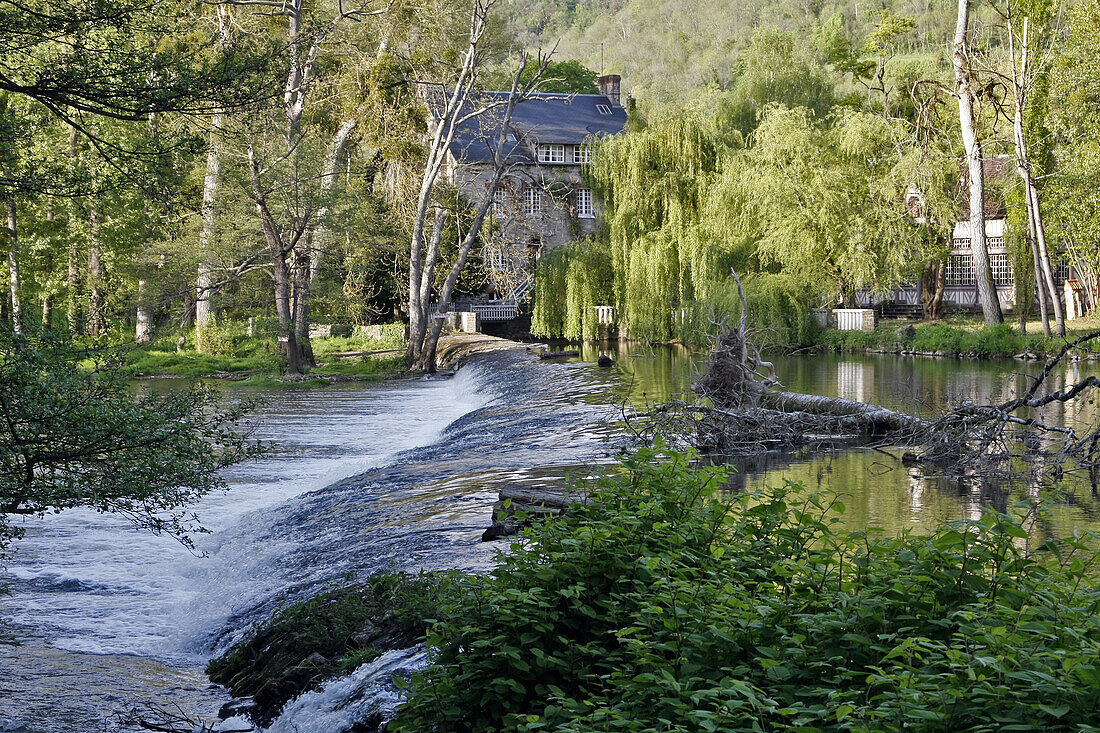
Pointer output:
x,y
539,119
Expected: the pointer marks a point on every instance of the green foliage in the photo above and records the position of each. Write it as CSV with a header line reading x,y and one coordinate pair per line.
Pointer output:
x,y
997,340
565,77
76,435
332,633
779,312
569,283
1075,106
658,605
775,69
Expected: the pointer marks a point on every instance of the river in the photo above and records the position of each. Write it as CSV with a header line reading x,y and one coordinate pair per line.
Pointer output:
x,y
404,474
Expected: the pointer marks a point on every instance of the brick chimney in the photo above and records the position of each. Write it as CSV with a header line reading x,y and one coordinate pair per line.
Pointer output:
x,y
609,87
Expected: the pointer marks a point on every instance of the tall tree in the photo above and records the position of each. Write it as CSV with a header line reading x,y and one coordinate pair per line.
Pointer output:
x,y
966,90
1025,75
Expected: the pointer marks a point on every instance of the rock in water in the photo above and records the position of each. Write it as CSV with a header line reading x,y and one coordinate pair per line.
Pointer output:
x,y
605,361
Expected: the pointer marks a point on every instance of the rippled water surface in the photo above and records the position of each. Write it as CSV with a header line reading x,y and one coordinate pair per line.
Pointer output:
x,y
405,474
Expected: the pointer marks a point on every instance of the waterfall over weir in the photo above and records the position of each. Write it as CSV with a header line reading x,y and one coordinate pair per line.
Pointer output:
x,y
362,477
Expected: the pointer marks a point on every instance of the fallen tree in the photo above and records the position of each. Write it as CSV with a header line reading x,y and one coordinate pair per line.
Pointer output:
x,y
744,410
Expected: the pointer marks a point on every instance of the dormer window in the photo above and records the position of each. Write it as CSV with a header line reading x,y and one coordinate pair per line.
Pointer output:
x,y
581,154
603,109
551,153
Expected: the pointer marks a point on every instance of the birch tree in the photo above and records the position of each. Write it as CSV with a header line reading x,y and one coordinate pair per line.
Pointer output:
x,y
205,287
1025,74
966,94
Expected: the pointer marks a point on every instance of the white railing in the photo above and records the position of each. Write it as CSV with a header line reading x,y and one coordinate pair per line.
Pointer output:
x,y
495,312
605,314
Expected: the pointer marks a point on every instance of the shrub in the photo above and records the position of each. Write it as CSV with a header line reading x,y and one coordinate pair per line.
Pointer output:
x,y
655,607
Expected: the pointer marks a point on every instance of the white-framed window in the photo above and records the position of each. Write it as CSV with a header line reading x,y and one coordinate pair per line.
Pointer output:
x,y
1002,268
960,270
995,242
960,243
582,154
584,203
499,200
532,201
552,153
603,109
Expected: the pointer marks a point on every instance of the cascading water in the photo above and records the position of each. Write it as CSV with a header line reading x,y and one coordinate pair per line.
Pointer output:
x,y
108,616
402,474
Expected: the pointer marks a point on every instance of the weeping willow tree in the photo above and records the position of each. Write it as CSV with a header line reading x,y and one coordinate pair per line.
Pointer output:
x,y
826,202
653,257
819,204
569,283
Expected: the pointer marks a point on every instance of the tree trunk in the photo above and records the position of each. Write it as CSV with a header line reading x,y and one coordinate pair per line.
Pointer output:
x,y
13,265
303,291
319,236
96,321
143,333
872,418
1021,83
933,284
280,270
1040,283
47,311
964,91
205,291
72,302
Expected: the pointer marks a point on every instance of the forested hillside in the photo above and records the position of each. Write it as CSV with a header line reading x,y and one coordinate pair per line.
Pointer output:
x,y
666,49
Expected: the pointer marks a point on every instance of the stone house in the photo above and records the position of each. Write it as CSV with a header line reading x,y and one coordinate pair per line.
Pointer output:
x,y
542,201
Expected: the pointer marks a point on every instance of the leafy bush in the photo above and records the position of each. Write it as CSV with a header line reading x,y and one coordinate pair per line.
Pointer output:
x,y
656,607
216,338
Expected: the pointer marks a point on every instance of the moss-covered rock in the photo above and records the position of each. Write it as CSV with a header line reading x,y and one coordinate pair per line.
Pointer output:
x,y
331,634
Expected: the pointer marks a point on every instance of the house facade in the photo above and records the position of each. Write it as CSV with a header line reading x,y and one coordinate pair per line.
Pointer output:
x,y
542,201
961,286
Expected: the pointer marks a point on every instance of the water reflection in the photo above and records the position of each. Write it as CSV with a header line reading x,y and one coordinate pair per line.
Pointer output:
x,y
882,492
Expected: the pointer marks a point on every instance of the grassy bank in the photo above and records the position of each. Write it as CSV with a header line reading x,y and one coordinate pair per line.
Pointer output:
x,y
256,360
957,336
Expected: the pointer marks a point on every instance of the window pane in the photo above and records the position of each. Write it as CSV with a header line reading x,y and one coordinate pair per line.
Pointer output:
x,y
532,201
584,202
960,270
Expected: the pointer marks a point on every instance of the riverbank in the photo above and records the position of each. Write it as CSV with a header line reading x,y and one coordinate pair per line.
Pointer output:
x,y
339,359
961,336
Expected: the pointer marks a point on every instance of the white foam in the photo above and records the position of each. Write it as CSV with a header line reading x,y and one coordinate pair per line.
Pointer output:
x,y
97,584
347,700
